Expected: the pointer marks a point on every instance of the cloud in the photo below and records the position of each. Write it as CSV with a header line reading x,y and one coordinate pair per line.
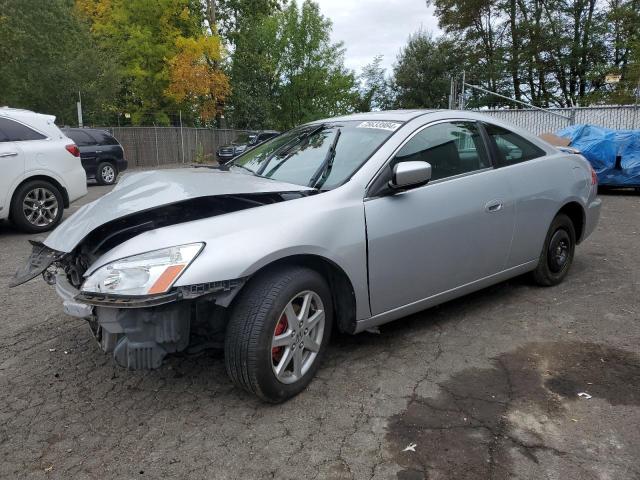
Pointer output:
x,y
376,27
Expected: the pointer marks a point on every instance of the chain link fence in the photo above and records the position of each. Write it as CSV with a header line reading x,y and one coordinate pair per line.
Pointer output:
x,y
159,146
538,121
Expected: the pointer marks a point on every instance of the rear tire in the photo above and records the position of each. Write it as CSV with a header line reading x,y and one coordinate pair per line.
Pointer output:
x,y
106,173
557,253
265,351
37,206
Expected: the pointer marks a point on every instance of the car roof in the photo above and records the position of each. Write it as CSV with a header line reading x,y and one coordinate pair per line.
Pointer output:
x,y
384,115
23,114
40,121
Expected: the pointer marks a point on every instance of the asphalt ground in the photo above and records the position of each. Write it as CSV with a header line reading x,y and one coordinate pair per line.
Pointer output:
x,y
485,386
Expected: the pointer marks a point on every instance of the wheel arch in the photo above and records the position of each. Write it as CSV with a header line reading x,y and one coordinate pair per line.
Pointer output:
x,y
110,159
575,212
44,178
344,297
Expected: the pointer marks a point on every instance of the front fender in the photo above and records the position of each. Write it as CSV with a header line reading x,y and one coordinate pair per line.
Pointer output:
x,y
239,244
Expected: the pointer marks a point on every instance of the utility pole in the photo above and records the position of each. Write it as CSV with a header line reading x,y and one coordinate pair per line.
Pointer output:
x,y
463,90
181,137
637,106
79,107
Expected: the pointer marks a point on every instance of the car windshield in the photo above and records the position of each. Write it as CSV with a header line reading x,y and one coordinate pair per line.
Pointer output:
x,y
322,156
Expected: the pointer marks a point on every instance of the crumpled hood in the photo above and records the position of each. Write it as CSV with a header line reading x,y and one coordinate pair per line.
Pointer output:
x,y
137,192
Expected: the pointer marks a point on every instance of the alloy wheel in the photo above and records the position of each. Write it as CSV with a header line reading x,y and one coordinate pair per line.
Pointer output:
x,y
297,337
40,207
108,174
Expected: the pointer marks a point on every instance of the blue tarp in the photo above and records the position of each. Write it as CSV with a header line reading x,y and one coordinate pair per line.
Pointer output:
x,y
601,146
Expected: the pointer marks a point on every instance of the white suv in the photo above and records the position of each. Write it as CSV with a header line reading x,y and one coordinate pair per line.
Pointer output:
x,y
40,170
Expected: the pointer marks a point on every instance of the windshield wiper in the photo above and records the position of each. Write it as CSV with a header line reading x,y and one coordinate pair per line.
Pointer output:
x,y
287,147
237,165
324,170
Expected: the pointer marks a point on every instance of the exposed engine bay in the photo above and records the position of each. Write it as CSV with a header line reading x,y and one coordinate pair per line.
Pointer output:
x,y
141,330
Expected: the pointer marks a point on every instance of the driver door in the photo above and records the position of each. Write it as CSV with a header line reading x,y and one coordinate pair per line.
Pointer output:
x,y
453,231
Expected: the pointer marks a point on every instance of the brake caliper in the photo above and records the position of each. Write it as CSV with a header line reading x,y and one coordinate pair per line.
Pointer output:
x,y
281,327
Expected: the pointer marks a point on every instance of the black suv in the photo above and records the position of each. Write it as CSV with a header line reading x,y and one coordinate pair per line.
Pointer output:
x,y
101,154
226,153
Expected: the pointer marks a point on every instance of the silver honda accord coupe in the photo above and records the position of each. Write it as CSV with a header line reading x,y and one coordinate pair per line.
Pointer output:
x,y
346,223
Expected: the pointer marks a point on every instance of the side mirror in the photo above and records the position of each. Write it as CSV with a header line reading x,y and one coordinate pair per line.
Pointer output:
x,y
410,174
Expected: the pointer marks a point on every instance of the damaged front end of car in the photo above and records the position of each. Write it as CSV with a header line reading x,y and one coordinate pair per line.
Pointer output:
x,y
132,304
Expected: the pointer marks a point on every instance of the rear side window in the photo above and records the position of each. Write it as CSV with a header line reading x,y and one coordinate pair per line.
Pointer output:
x,y
80,138
16,132
512,148
452,148
103,138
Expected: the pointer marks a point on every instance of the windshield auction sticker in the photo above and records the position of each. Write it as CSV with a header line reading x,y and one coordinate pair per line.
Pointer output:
x,y
391,126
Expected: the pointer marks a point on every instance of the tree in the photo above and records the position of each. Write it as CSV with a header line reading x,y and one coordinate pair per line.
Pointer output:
x,y
423,71
375,88
195,78
168,59
48,56
255,73
478,25
315,82
286,71
623,17
547,52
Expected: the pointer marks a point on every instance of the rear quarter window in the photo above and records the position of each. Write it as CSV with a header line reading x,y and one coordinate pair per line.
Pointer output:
x,y
511,148
104,138
79,137
16,132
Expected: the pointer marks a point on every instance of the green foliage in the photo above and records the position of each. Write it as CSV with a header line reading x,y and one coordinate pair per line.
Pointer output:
x,y
48,56
155,43
236,17
623,21
314,81
375,89
285,70
547,52
423,72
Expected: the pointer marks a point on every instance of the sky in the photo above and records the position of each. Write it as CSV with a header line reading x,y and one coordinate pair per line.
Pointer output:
x,y
376,27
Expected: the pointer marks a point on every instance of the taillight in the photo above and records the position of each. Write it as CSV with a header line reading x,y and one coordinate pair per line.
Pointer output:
x,y
73,149
594,177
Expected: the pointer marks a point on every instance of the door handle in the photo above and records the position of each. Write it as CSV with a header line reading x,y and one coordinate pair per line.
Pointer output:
x,y
8,154
493,206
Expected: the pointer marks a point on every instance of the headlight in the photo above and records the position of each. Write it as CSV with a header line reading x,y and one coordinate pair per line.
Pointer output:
x,y
145,274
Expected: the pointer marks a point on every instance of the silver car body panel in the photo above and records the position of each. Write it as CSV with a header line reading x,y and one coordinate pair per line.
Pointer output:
x,y
401,253
140,191
430,234
329,225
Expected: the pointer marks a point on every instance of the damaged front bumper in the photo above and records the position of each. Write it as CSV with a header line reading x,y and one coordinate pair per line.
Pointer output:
x,y
141,331
68,294
138,338
138,330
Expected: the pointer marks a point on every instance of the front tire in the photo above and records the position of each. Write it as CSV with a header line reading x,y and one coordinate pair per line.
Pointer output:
x,y
106,173
278,332
37,207
557,253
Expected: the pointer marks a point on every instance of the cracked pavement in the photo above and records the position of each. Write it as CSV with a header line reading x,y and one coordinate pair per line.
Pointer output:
x,y
485,385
